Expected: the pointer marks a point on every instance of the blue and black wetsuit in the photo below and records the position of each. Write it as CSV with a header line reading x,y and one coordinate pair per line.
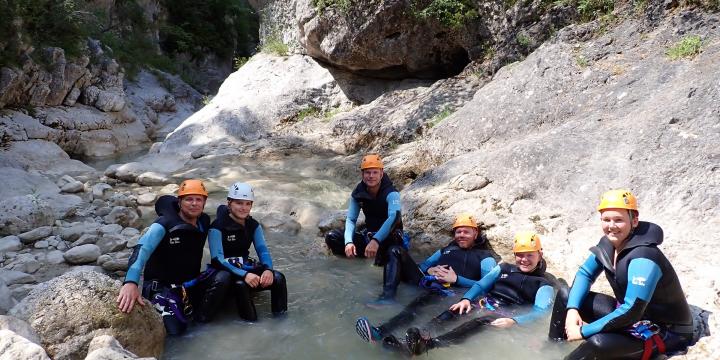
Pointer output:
x,y
470,265
170,252
645,287
230,240
382,220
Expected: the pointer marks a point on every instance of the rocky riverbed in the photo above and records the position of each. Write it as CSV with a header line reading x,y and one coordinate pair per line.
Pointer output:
x,y
531,146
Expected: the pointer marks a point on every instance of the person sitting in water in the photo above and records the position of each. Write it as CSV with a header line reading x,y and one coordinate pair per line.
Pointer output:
x,y
170,252
383,237
457,265
648,314
231,235
502,294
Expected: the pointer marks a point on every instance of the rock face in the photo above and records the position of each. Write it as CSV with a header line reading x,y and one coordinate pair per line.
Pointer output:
x,y
106,347
69,311
19,327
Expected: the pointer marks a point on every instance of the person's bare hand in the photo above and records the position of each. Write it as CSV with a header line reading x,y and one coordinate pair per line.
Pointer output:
x,y
128,297
503,322
371,249
462,307
266,279
573,322
350,250
252,280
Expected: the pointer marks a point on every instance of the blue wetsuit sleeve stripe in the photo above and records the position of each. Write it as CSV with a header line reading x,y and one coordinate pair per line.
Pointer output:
x,y
430,261
352,216
261,248
486,265
482,286
584,278
217,253
643,276
543,303
148,243
393,200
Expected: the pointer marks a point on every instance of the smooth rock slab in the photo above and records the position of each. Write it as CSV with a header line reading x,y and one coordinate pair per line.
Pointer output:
x,y
19,327
10,243
82,254
15,347
35,234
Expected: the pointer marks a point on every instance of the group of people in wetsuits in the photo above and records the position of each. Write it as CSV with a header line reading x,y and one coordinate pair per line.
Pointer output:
x,y
647,316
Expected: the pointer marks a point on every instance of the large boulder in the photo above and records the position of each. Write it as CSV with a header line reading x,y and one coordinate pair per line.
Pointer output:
x,y
106,347
6,300
67,312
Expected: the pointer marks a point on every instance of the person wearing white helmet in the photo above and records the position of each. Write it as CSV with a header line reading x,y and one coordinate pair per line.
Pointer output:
x,y
230,237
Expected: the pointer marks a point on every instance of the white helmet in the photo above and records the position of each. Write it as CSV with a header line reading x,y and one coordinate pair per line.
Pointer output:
x,y
241,191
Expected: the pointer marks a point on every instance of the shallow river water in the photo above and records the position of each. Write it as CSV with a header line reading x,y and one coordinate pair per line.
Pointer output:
x,y
326,294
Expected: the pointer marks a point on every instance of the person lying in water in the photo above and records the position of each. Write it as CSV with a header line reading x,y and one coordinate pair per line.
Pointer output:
x,y
648,314
501,294
458,265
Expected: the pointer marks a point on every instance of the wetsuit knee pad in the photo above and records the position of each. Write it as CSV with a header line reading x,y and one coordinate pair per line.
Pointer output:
x,y
396,251
333,236
222,277
278,278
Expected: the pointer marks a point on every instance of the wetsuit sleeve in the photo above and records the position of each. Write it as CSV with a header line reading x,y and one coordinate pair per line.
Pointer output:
x,y
584,278
261,249
486,265
216,253
543,303
393,200
352,216
643,276
430,262
482,286
147,244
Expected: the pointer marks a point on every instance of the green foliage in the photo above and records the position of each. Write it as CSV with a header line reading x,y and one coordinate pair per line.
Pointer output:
x,y
523,40
310,111
239,61
688,47
274,45
593,9
342,5
197,27
582,61
206,99
451,13
439,117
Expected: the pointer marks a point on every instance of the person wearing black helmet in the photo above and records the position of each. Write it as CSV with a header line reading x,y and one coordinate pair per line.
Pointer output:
x,y
170,252
231,235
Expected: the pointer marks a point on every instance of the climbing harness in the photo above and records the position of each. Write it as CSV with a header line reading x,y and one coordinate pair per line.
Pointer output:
x,y
649,333
432,283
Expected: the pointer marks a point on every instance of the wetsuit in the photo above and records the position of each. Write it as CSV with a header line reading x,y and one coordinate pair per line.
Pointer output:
x,y
382,220
171,254
645,287
231,240
505,289
470,265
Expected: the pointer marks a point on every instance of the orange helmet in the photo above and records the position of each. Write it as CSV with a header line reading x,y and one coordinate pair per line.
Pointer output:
x,y
464,219
192,187
371,161
526,241
618,199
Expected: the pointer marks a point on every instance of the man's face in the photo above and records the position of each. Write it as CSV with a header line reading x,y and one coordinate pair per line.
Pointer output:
x,y
192,205
465,236
372,176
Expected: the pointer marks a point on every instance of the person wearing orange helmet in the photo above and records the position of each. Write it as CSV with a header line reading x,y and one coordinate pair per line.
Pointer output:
x,y
501,294
383,238
170,252
456,266
648,314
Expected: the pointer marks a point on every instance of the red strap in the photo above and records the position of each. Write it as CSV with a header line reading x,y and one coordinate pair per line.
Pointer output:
x,y
648,349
